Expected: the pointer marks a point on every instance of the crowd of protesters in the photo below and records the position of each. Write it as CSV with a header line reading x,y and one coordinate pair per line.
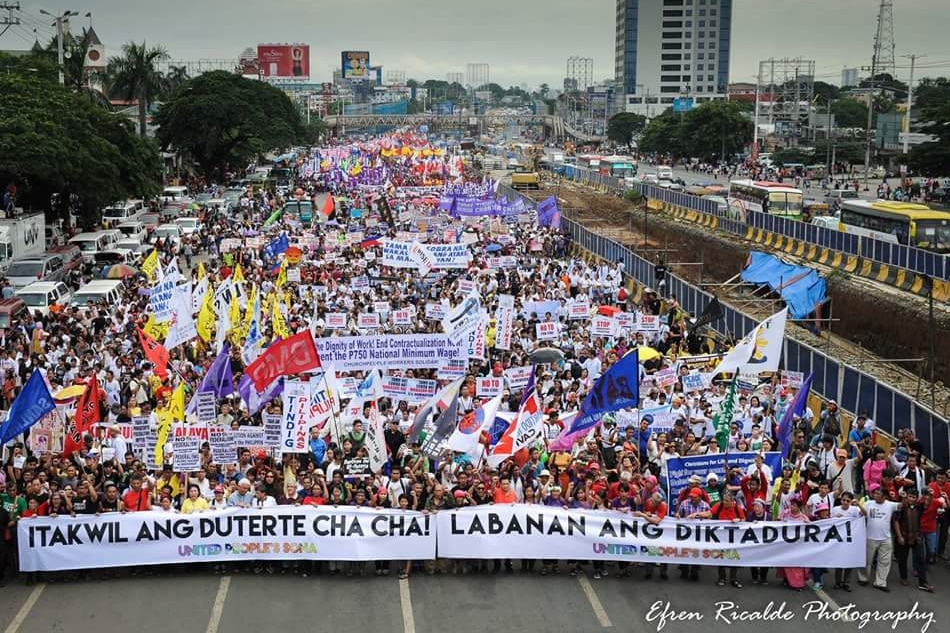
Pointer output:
x,y
620,466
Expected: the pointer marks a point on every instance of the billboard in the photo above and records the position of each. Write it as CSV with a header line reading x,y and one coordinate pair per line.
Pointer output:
x,y
284,61
355,64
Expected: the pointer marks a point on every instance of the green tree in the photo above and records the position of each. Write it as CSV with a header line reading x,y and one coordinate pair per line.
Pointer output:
x,y
135,75
850,113
827,92
54,141
933,159
173,80
623,126
662,135
715,129
221,119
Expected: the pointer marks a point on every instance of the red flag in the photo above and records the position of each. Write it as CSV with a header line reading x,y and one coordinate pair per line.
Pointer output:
x,y
293,355
328,207
87,414
156,354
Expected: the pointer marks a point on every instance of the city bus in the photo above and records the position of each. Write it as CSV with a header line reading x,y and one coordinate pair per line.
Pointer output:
x,y
898,222
764,196
619,166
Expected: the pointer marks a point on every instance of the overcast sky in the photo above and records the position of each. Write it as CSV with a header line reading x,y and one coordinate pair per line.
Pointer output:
x,y
524,41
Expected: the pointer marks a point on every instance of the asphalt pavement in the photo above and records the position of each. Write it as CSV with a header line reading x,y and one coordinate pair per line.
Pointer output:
x,y
199,602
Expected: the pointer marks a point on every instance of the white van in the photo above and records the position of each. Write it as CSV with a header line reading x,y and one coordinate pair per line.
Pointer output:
x,y
98,291
92,243
172,194
112,236
664,172
40,296
119,213
133,230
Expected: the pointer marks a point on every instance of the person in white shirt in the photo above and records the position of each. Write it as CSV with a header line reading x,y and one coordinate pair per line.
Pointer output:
x,y
822,497
879,513
841,473
262,499
847,509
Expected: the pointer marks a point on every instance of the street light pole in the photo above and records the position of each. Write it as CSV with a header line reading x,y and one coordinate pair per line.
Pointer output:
x,y
910,96
59,39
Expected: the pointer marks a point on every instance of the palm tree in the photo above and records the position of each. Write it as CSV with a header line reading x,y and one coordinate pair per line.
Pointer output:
x,y
135,75
174,79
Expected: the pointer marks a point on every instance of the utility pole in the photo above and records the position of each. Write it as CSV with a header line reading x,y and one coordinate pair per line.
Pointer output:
x,y
828,143
9,20
910,97
59,38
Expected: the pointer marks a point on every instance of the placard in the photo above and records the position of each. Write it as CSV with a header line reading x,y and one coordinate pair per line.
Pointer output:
x,y
435,311
453,369
793,379
293,275
367,321
518,377
488,387
546,331
207,407
223,445
466,286
602,326
648,323
401,318
692,382
335,320
626,320
272,429
579,310
665,377
187,453
360,284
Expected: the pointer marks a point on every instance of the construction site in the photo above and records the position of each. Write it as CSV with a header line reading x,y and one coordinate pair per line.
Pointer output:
x,y
884,331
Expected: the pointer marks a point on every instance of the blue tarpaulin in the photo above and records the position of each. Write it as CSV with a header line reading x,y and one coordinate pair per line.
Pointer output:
x,y
801,287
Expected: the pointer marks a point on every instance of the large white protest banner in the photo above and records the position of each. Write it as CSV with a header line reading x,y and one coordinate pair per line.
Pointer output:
x,y
294,436
530,531
284,533
425,257
397,351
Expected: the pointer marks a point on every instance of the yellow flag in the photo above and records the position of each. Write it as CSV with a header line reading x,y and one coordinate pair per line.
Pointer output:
x,y
206,325
278,322
238,274
234,315
167,416
150,266
157,331
282,275
201,271
249,311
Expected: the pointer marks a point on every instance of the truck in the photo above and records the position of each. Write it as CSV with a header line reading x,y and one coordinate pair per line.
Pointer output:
x,y
20,237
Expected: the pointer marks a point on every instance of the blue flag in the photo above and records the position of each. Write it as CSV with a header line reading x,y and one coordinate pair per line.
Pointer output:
x,y
617,389
796,407
548,213
34,402
277,246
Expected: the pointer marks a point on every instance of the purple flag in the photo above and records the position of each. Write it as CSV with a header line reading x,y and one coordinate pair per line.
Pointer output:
x,y
256,400
548,213
796,407
219,379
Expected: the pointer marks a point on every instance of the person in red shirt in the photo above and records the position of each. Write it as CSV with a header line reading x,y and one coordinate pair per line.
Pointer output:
x,y
654,510
931,512
136,499
941,490
729,510
504,493
754,487
694,483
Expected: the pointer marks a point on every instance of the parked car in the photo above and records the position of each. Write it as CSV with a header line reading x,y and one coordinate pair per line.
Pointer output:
x,y
113,256
189,226
71,256
134,230
40,296
44,268
168,232
11,309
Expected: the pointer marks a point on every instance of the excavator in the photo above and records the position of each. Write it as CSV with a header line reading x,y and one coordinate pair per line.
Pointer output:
x,y
525,176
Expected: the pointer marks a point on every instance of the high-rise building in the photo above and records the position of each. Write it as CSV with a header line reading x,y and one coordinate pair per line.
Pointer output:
x,y
671,48
849,77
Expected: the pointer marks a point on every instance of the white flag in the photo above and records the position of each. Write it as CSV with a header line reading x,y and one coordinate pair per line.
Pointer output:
x,y
465,437
741,355
182,327
769,336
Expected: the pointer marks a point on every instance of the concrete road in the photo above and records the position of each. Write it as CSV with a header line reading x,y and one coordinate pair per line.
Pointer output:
x,y
197,602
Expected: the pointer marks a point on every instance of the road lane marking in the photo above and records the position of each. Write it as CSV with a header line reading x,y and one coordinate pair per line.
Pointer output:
x,y
218,608
405,599
824,596
594,602
24,611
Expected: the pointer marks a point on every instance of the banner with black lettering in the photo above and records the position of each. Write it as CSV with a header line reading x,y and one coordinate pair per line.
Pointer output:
x,y
530,531
277,533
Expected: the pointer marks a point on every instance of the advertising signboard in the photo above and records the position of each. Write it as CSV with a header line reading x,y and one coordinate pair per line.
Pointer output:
x,y
284,61
355,64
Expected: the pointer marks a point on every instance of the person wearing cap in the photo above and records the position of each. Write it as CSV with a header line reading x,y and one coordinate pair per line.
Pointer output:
x,y
693,507
242,497
713,488
694,482
822,511
823,496
116,442
880,513
218,501
841,473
